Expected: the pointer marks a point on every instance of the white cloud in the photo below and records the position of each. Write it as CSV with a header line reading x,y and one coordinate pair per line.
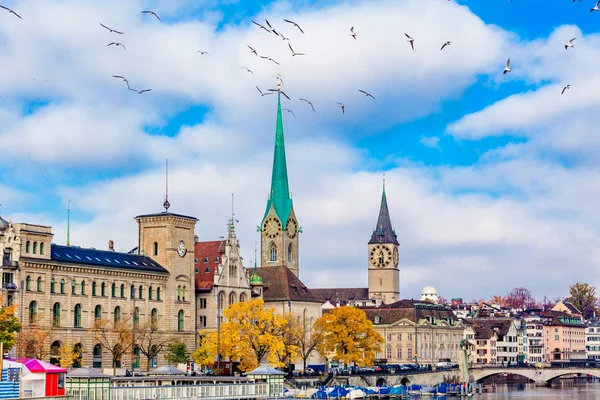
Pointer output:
x,y
430,141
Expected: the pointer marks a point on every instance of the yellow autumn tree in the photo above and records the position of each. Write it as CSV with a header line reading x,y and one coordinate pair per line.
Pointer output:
x,y
348,336
68,355
250,335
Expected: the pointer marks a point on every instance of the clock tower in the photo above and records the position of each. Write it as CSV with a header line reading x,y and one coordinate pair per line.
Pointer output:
x,y
384,263
279,229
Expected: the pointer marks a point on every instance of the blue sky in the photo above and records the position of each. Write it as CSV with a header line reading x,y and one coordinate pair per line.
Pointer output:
x,y
490,176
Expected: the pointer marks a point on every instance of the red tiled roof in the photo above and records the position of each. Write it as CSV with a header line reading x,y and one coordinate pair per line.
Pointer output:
x,y
281,285
209,256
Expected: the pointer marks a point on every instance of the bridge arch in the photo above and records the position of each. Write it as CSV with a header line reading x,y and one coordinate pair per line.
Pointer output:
x,y
549,377
484,375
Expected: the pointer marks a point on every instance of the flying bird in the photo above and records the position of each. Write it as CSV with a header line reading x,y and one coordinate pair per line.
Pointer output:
x,y
151,13
565,88
270,59
261,92
352,33
410,40
342,106
11,11
366,94
116,44
507,68
283,37
111,30
268,24
140,91
124,79
290,111
248,69
203,53
262,26
311,104
295,24
294,53
446,44
570,44
253,51
596,8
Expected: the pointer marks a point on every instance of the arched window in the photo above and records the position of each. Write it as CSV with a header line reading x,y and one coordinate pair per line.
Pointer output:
x,y
98,312
78,349
122,291
136,317
178,293
93,288
113,290
42,248
273,252
136,356
56,314
289,252
183,293
117,314
97,360
154,316
103,289
73,287
180,326
39,284
233,270
154,359
158,293
52,283
55,352
27,247
150,293
117,350
221,301
28,283
77,316
242,297
132,292
34,247
155,248
140,292
32,312
62,286
83,288
232,298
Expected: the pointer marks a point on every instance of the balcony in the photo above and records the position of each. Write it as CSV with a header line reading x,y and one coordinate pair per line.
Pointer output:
x,y
6,263
9,286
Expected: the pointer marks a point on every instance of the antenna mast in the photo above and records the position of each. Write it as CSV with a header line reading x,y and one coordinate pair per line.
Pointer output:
x,y
166,204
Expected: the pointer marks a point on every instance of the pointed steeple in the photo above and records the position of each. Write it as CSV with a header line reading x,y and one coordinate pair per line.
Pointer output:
x,y
384,233
279,196
255,279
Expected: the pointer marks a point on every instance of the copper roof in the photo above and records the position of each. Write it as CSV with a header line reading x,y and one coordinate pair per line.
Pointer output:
x,y
282,285
208,256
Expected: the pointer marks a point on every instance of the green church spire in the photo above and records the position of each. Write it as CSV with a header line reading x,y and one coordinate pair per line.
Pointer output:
x,y
279,196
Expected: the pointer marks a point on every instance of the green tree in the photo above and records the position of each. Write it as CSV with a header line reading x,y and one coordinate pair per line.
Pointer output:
x,y
583,296
9,327
176,353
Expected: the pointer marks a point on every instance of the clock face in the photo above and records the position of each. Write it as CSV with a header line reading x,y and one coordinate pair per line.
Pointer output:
x,y
380,256
272,227
181,250
396,257
292,228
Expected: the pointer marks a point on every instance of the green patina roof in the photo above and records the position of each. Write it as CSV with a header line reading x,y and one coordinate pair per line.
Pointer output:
x,y
255,278
279,196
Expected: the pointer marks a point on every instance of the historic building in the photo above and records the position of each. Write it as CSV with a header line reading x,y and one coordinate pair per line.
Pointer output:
x,y
564,335
64,289
496,340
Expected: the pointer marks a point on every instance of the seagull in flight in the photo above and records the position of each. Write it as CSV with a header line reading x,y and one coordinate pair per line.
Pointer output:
x,y
270,59
151,13
111,30
352,33
261,26
140,91
248,69
565,88
410,40
507,68
311,104
280,91
596,8
294,53
261,92
116,44
253,51
124,79
446,44
295,24
342,106
366,94
203,52
290,111
570,44
10,11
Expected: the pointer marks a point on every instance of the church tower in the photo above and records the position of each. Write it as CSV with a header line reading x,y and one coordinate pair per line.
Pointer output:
x,y
279,244
384,268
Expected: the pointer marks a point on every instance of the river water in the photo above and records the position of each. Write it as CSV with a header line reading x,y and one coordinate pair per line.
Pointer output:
x,y
590,391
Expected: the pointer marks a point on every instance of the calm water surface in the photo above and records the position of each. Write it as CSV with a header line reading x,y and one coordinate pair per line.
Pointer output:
x,y
583,391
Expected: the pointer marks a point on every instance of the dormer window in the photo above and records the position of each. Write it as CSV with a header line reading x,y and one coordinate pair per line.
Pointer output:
x,y
205,260
216,259
377,319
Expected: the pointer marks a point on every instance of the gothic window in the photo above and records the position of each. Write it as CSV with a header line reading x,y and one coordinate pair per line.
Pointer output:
x,y
221,302
27,246
273,252
94,288
232,298
117,314
158,293
289,257
77,316
32,312
56,314
97,360
233,270
34,247
150,293
28,283
155,248
39,284
98,312
180,326
42,248
242,297
103,289
62,286
52,284
154,316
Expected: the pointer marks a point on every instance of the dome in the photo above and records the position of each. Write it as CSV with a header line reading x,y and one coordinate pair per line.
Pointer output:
x,y
429,290
3,224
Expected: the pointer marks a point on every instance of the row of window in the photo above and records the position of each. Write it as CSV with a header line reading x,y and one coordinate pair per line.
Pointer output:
x,y
273,252
232,299
97,290
28,248
77,323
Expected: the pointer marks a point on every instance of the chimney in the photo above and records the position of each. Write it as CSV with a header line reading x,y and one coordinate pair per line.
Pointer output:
x,y
111,245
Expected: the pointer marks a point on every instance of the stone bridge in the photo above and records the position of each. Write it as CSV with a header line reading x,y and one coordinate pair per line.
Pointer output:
x,y
541,376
